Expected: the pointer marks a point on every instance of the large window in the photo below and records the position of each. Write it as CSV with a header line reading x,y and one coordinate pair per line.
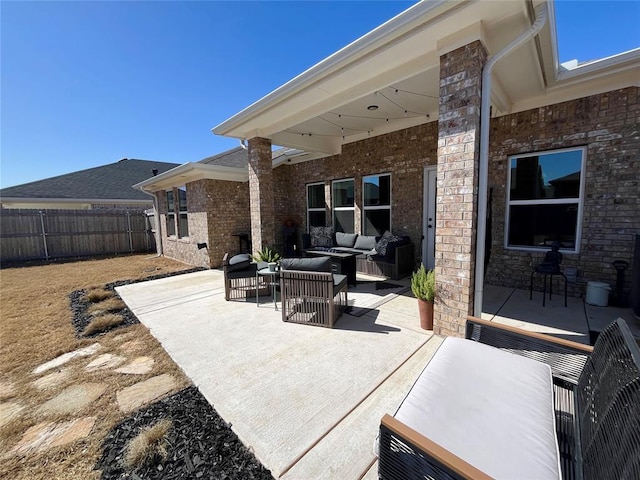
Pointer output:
x,y
376,196
343,206
183,221
544,203
171,214
315,205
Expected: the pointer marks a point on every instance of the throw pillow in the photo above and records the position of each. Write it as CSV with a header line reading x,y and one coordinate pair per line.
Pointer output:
x,y
321,236
383,243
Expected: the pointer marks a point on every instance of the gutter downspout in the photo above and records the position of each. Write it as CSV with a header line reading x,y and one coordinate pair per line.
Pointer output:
x,y
483,170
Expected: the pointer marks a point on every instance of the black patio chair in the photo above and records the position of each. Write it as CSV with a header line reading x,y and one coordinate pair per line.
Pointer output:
x,y
550,266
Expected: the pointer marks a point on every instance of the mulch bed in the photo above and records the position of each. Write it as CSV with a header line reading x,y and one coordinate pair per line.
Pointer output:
x,y
79,306
201,444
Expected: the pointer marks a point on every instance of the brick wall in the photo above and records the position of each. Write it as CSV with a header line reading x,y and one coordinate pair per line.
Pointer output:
x,y
609,126
404,154
216,210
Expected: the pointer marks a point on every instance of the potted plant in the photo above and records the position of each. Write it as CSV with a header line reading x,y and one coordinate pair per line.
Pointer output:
x,y
269,256
423,286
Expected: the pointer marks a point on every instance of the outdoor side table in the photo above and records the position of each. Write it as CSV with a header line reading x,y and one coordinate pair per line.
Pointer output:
x,y
272,281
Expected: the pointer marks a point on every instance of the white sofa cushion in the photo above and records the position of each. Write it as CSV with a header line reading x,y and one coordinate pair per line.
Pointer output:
x,y
491,408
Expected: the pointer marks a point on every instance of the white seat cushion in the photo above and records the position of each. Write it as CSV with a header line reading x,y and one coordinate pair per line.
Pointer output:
x,y
491,408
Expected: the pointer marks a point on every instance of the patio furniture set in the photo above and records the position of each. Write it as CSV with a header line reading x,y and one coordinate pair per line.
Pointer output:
x,y
310,292
507,403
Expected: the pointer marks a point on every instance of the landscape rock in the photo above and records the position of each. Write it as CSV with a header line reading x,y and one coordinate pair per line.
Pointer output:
x,y
74,398
138,366
145,392
132,346
52,379
66,357
106,360
9,411
49,434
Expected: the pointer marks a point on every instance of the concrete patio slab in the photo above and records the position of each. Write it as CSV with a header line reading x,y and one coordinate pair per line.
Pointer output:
x,y
347,450
282,386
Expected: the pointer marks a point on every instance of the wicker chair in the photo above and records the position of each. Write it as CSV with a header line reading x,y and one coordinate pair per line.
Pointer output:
x,y
311,294
240,278
596,403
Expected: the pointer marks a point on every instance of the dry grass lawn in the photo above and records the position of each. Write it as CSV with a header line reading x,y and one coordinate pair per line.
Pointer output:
x,y
36,327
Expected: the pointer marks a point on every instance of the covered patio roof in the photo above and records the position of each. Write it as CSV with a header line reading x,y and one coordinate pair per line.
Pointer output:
x,y
388,79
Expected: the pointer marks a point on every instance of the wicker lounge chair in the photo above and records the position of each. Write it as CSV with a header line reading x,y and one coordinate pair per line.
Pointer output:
x,y
240,278
596,400
311,294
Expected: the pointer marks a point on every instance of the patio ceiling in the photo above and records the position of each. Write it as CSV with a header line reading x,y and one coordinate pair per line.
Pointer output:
x,y
396,68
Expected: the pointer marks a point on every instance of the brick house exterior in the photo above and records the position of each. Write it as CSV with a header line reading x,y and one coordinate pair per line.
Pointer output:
x,y
434,64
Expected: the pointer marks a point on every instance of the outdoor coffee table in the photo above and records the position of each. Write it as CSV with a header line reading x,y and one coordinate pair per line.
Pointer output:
x,y
341,262
272,281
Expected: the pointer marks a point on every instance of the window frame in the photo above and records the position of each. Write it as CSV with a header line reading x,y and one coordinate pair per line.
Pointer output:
x,y
554,201
376,207
171,213
335,209
322,209
182,213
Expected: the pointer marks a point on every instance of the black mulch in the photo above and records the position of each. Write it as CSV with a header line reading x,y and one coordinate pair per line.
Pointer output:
x,y
201,444
79,306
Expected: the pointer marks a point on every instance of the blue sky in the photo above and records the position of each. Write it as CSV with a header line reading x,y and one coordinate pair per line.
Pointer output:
x,y
87,83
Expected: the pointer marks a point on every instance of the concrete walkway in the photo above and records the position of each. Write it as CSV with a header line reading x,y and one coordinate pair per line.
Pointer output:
x,y
306,400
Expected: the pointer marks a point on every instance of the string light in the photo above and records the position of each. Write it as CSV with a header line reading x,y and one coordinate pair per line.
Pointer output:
x,y
377,93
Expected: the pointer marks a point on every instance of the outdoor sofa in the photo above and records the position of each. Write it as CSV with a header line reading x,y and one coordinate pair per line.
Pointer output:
x,y
375,255
555,409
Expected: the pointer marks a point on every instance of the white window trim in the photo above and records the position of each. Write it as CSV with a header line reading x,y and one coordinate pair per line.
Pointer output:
x,y
181,213
315,209
343,209
554,201
376,207
171,214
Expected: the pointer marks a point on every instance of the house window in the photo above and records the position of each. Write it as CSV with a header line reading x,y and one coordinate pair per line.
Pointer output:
x,y
315,205
545,197
343,206
183,221
171,214
376,196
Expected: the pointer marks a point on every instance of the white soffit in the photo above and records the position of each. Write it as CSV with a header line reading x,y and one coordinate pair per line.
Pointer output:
x,y
190,172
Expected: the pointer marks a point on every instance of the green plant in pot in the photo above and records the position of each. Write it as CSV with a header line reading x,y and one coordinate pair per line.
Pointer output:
x,y
423,286
267,255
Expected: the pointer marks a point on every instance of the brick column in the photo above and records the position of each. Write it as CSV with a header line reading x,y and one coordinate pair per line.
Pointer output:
x,y
457,184
261,195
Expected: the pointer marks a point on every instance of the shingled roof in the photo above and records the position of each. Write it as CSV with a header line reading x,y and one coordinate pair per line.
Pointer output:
x,y
236,157
108,182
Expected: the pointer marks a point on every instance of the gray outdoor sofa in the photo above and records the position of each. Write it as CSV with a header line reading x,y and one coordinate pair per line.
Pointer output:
x,y
397,262
556,409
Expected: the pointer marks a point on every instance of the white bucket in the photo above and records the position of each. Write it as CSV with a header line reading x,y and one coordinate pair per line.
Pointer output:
x,y
598,294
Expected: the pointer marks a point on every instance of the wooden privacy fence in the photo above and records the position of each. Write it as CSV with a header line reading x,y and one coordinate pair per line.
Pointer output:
x,y
46,234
